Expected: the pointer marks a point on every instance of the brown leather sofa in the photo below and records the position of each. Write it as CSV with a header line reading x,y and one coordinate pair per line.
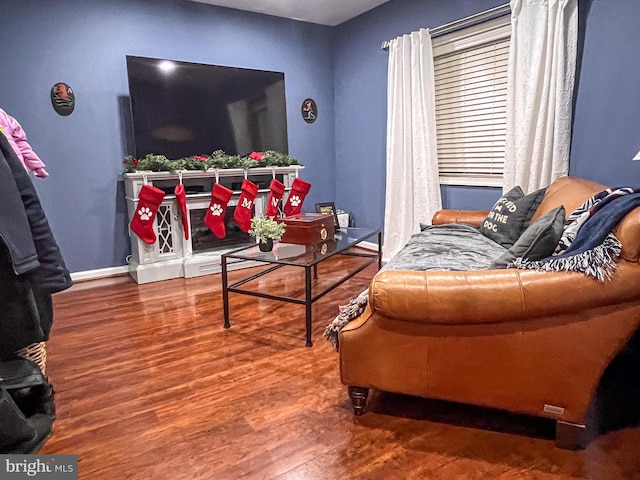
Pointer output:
x,y
524,341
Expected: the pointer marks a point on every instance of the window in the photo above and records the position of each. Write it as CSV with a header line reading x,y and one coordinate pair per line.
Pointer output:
x,y
470,69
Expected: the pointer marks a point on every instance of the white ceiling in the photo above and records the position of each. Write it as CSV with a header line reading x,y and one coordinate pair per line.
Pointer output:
x,y
324,12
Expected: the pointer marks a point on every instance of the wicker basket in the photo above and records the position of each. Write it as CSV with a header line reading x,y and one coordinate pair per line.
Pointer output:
x,y
36,352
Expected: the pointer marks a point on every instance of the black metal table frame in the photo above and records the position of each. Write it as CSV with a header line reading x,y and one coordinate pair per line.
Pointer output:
x,y
309,298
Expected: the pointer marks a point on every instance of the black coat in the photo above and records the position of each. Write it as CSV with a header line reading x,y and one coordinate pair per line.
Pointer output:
x,y
31,265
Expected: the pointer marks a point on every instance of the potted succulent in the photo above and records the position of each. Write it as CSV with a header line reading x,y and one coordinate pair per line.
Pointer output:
x,y
266,230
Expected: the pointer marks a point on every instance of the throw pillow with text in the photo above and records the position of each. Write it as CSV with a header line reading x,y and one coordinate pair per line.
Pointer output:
x,y
510,216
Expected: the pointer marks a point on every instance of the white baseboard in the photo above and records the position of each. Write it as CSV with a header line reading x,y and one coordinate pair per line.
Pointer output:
x,y
100,273
125,269
368,246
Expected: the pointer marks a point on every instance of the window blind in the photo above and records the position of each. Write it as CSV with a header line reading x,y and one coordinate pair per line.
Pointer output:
x,y
471,93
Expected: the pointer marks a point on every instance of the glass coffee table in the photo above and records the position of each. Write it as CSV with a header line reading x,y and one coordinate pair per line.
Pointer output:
x,y
307,257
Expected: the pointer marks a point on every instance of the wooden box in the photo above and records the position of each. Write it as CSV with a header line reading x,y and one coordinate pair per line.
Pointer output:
x,y
322,248
308,228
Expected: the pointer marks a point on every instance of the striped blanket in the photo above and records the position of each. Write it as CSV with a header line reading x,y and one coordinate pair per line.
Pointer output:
x,y
588,244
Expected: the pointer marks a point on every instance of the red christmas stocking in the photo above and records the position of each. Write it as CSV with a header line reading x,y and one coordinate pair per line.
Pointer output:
x,y
181,200
277,189
149,199
242,215
299,190
214,218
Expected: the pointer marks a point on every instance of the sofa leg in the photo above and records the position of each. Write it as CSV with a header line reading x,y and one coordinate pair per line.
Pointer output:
x,y
358,396
572,436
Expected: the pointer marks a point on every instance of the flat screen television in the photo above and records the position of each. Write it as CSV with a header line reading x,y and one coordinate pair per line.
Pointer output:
x,y
181,109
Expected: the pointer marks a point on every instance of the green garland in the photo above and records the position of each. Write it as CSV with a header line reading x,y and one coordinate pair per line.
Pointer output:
x,y
218,159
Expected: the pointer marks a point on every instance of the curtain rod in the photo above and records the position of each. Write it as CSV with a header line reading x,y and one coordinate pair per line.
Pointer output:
x,y
469,21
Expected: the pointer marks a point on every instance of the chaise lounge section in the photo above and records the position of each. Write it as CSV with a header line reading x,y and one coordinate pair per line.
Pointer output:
x,y
525,341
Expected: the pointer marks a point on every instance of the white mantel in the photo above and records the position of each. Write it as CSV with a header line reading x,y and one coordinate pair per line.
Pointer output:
x,y
171,256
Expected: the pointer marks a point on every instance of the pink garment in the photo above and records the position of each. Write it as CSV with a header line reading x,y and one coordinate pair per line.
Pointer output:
x,y
18,140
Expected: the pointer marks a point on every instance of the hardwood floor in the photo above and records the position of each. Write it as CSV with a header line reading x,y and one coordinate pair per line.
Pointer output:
x,y
150,386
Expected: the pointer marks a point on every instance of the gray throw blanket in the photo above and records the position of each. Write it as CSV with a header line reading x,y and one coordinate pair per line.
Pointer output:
x,y
437,247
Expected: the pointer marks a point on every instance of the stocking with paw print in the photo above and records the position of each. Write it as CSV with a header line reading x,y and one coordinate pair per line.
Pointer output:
x,y
299,190
142,223
214,218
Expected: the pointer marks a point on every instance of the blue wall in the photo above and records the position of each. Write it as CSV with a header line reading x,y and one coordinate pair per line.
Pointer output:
x,y
606,130
607,110
361,103
84,43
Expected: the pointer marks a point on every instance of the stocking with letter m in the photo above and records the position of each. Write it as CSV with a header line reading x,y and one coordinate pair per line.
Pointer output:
x,y
243,211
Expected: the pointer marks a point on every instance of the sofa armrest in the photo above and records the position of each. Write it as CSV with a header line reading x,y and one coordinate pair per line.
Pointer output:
x,y
628,232
468,217
493,296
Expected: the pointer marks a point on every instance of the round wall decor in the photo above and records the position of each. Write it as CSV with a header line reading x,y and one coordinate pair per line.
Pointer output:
x,y
309,110
63,99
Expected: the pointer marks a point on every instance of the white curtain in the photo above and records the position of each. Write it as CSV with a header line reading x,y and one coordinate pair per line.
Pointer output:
x,y
542,65
413,188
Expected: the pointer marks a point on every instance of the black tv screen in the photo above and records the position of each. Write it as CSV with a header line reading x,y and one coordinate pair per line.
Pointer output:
x,y
181,109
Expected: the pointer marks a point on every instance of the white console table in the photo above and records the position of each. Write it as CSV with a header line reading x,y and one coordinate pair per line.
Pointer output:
x,y
171,256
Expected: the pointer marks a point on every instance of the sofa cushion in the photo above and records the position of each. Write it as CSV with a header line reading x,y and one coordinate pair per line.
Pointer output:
x,y
538,241
510,216
451,246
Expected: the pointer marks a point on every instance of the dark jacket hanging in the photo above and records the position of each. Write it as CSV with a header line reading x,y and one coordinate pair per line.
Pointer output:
x,y
31,265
